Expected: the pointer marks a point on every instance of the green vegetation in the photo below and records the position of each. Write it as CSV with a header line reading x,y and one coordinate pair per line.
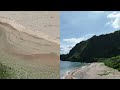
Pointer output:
x,y
4,71
103,48
13,67
113,62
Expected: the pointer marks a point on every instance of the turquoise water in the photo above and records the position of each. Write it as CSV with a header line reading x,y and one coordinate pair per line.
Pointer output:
x,y
66,66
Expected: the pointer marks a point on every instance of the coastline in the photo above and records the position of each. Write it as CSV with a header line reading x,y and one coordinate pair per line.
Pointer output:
x,y
93,71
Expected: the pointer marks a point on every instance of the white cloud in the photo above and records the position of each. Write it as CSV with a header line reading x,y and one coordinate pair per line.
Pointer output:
x,y
98,11
114,19
113,15
71,42
108,23
74,40
77,40
65,48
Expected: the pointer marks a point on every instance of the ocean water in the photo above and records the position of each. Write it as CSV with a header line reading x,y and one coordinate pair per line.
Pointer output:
x,y
66,66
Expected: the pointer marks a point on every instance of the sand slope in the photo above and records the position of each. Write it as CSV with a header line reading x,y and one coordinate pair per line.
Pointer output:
x,y
25,47
46,21
23,38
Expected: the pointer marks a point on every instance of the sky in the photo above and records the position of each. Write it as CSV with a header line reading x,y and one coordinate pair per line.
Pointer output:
x,y
77,26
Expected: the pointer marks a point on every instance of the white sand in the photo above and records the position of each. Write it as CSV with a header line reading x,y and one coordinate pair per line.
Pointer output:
x,y
34,36
46,21
93,71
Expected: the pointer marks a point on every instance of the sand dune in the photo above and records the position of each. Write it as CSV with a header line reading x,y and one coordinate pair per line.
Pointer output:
x,y
30,47
46,21
35,42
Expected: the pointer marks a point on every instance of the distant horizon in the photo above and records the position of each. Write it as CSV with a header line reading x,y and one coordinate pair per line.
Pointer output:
x,y
76,26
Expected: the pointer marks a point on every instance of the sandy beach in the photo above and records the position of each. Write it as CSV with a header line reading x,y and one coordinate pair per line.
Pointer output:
x,y
30,40
93,71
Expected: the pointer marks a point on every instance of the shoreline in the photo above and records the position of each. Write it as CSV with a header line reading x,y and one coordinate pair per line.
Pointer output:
x,y
93,71
69,75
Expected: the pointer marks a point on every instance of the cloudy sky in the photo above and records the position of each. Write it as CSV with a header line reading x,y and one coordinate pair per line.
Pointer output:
x,y
76,26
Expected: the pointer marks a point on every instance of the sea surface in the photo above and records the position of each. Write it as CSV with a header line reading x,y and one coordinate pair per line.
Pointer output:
x,y
66,66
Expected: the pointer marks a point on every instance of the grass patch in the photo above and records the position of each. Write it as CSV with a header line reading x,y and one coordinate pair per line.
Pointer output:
x,y
15,68
4,71
113,62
